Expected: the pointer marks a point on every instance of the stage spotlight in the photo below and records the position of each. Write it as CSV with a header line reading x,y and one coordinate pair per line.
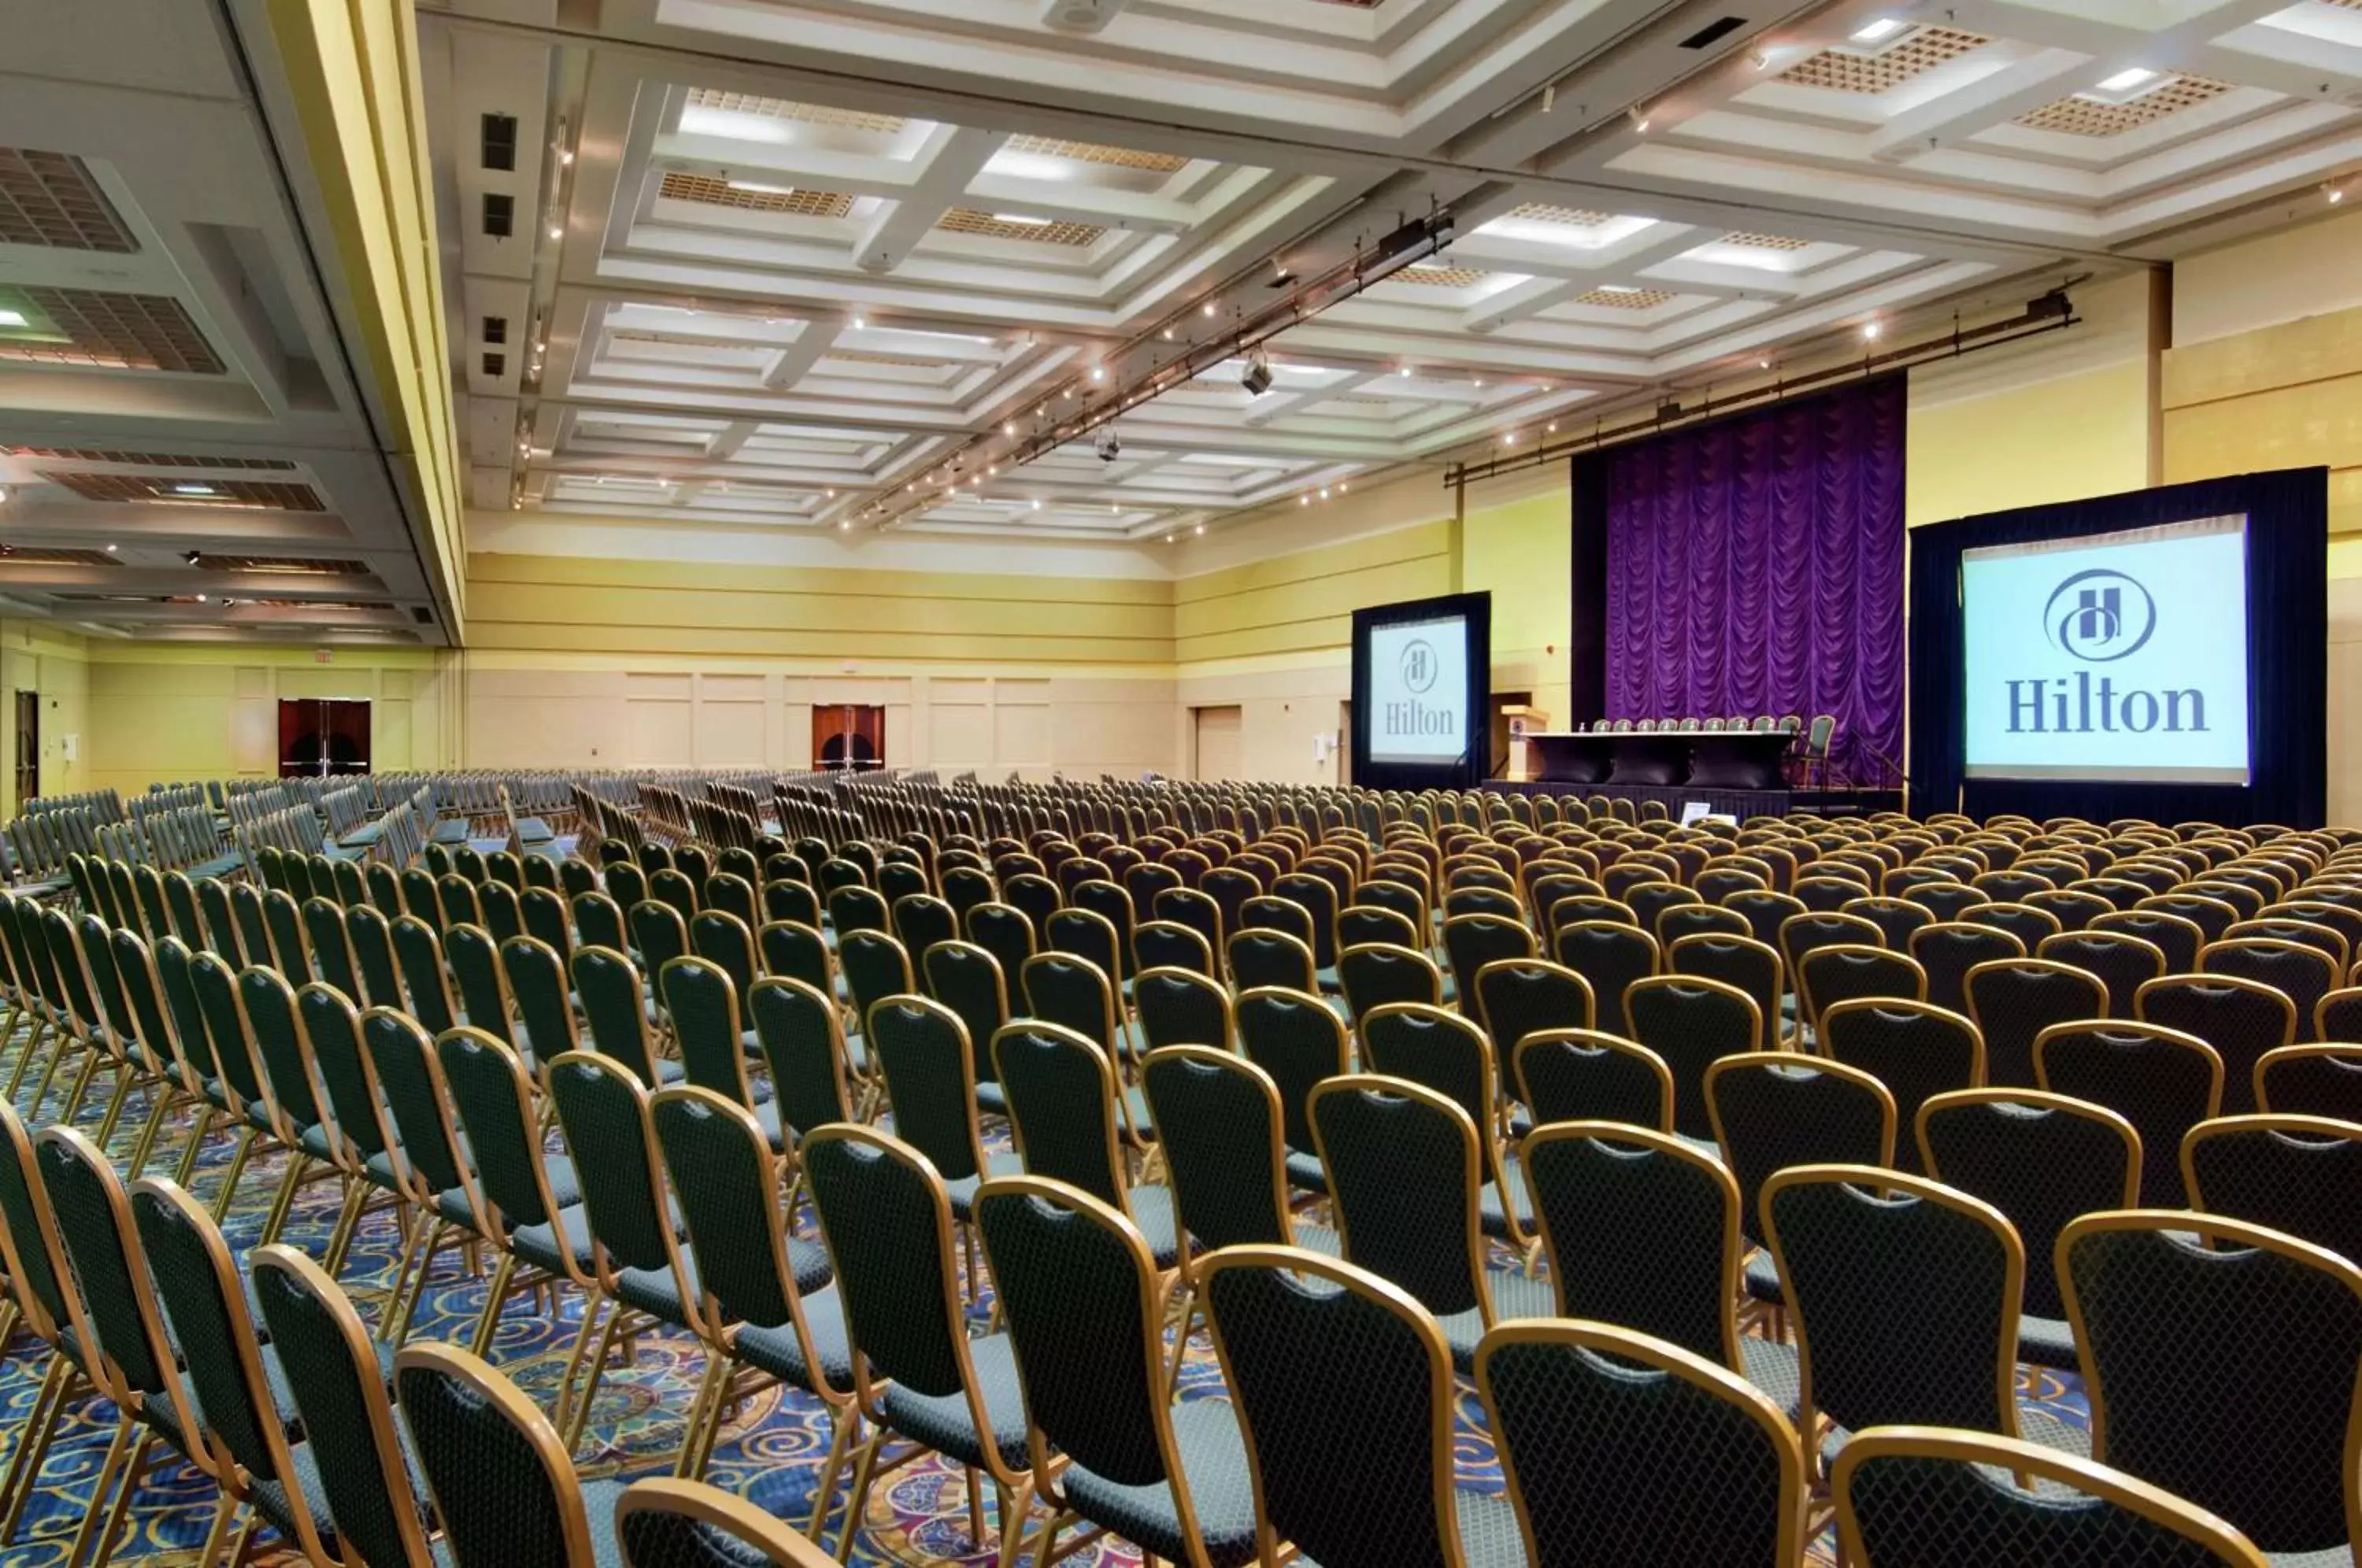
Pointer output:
x,y
1256,377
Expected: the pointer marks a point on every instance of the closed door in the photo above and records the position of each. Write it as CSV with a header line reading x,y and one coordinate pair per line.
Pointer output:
x,y
321,737
29,747
1218,742
850,735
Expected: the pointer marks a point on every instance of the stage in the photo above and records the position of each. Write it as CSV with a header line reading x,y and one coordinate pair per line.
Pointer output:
x,y
1740,804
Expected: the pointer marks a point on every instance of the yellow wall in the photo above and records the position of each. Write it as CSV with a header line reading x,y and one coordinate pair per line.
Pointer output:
x,y
166,710
2282,396
2062,439
52,664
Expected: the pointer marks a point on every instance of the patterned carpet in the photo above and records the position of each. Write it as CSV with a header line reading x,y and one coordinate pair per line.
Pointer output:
x,y
770,1450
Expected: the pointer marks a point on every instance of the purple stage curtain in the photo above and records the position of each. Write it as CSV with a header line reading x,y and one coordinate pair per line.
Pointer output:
x,y
1755,565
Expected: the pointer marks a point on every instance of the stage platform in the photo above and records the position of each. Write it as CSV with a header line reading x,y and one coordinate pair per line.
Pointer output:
x,y
1740,804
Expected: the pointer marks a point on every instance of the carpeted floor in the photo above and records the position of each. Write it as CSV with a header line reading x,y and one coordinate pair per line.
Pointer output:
x,y
770,1450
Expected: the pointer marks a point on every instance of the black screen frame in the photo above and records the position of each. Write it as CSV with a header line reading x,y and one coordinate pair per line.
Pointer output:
x,y
2288,656
1475,761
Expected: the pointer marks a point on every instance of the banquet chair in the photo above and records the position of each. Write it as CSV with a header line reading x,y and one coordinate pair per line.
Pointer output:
x,y
1587,1075
2013,1001
2313,1080
2123,963
1777,1108
1690,1023
2242,1018
2294,1174
666,1522
1917,1050
2161,1080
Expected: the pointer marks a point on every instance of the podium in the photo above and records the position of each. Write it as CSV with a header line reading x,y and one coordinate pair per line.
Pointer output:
x,y
1523,721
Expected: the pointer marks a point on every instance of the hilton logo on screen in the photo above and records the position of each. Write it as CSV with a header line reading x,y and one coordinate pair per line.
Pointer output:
x,y
1418,669
2099,617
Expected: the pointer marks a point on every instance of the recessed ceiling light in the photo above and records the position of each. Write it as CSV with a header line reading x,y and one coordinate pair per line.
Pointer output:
x,y
755,188
844,522
1324,492
110,550
194,490
1510,439
1168,335
1341,489
13,318
1210,307
1201,528
1169,538
1037,506
557,231
201,599
2127,80
1302,501
1870,329
860,322
1099,372
831,494
1879,31
1026,219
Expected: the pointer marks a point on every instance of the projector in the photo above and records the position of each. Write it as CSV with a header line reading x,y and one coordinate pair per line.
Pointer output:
x,y
1256,379
1109,446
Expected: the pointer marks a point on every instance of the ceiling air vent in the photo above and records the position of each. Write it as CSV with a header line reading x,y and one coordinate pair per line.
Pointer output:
x,y
499,141
500,215
1714,33
496,329
496,365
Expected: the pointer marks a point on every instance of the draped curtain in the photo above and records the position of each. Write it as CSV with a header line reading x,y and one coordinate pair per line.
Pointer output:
x,y
1754,566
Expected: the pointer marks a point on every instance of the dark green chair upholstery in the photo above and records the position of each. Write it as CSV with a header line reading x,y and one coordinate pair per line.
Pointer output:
x,y
1065,1112
2241,1017
2162,1081
615,1007
1917,1050
1777,1110
923,1051
1619,1447
2294,1174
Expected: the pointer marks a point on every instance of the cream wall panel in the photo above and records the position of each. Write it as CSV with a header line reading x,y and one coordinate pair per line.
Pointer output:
x,y
2062,438
731,734
392,743
960,734
659,732
1021,736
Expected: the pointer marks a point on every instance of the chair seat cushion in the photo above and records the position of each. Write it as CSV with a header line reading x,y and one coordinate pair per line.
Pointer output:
x,y
963,1191
1489,1536
993,1100
1306,1173
1514,1296
1214,1459
777,1351
1492,1214
1772,1367
1761,1277
2048,1341
941,1423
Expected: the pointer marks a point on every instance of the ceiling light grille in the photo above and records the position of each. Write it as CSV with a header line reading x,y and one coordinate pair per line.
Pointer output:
x,y
1092,153
282,566
270,495
862,356
145,459
1572,218
89,326
1766,242
2092,117
49,198
962,220
787,109
20,556
1847,70
1625,299
1440,277
714,193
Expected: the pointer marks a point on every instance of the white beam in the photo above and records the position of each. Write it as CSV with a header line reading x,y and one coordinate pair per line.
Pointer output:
x,y
952,158
796,360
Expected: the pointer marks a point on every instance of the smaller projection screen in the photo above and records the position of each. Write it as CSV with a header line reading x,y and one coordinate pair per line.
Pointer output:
x,y
2116,657
1422,692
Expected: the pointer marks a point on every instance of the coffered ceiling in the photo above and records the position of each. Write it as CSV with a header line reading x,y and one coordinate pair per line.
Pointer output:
x,y
183,451
862,264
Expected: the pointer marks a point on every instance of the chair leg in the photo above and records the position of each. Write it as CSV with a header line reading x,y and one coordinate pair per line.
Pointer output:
x,y
93,1060
298,1162
591,1384
230,1177
224,1514
26,1057
975,1506
158,1114
115,1517
859,1503
395,1328
488,1323
563,1416
1013,1524
349,1220
187,1169
1181,1342
103,1488
33,1441
64,1047
841,1423
707,1406
125,1082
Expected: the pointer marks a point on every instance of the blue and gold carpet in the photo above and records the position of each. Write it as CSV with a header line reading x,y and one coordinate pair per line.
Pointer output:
x,y
770,1450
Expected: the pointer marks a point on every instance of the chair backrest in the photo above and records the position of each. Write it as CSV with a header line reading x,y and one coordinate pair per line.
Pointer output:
x,y
205,1300
1402,1166
2312,1080
1916,1049
492,1094
703,1003
2295,1174
1517,996
1776,1108
728,1188
924,1050
2241,1018
502,1485
1589,1075
2162,1081
1061,1093
803,1036
609,984
339,1392
1928,1498
1861,1250
664,1522
132,1359
1618,1447
1690,1023
1326,1359
1642,1232
2221,1362
887,1223
1079,1292
2041,1159
1220,1126
2013,1001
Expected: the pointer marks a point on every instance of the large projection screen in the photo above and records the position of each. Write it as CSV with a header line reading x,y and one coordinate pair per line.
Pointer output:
x,y
1422,692
2122,657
